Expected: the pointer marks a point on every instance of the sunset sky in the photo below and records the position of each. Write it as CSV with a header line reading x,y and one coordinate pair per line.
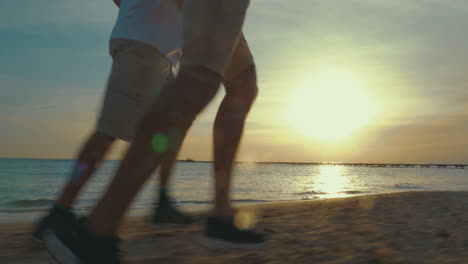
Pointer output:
x,y
340,80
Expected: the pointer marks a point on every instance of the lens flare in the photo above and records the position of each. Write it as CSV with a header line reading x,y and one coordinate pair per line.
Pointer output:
x,y
159,143
244,220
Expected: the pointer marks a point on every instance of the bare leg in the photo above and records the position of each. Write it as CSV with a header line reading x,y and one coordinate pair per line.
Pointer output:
x,y
168,163
228,128
88,161
166,168
164,175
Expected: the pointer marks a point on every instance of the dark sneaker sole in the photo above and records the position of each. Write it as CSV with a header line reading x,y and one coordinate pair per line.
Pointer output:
x,y
224,245
58,250
36,239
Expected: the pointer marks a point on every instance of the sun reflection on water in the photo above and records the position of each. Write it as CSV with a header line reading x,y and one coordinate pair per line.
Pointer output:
x,y
332,180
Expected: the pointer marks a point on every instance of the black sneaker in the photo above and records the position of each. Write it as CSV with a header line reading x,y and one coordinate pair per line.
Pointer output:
x,y
58,218
168,215
224,235
75,245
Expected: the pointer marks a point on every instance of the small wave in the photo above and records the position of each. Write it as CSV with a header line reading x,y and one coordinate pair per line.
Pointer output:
x,y
23,210
406,186
210,202
307,198
311,193
353,192
249,201
194,202
29,203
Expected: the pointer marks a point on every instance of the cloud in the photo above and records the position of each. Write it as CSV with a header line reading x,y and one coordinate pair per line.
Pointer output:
x,y
438,140
27,13
54,65
25,96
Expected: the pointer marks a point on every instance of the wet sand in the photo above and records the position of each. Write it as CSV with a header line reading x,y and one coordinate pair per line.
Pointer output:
x,y
410,227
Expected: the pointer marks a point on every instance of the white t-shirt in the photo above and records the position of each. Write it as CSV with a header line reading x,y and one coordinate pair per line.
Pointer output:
x,y
154,22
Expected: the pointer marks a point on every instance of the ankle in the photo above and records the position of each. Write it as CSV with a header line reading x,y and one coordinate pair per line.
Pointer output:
x,y
224,213
57,207
164,200
164,203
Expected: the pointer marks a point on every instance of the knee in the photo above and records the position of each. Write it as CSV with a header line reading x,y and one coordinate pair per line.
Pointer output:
x,y
195,88
164,132
95,148
181,101
243,88
251,92
102,138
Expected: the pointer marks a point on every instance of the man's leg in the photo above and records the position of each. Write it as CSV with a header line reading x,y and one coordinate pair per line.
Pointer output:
x,y
241,90
224,230
197,83
228,128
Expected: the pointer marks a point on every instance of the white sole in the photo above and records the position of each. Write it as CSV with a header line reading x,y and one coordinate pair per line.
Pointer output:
x,y
58,250
223,245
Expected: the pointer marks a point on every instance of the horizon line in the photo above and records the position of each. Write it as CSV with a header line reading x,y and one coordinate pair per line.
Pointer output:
x,y
286,162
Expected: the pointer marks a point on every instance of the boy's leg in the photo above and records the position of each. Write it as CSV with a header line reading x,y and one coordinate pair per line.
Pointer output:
x,y
89,159
123,104
173,113
137,69
125,99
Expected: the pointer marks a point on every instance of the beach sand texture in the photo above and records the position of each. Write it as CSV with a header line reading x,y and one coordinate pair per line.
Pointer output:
x,y
410,227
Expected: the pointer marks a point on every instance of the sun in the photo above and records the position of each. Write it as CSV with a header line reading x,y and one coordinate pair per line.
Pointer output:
x,y
330,105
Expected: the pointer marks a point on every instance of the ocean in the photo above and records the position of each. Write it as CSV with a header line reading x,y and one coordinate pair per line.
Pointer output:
x,y
29,186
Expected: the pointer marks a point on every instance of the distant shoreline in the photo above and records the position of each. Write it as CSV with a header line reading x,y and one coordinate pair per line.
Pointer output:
x,y
353,164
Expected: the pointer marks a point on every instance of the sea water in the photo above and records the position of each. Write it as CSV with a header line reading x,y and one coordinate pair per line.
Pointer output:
x,y
29,186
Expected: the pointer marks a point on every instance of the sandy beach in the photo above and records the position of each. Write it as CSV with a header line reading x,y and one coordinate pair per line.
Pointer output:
x,y
409,227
